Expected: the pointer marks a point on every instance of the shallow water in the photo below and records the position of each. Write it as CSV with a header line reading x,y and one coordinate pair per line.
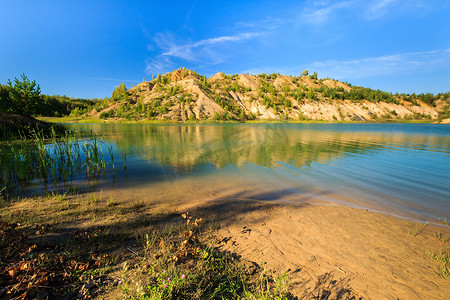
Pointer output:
x,y
403,169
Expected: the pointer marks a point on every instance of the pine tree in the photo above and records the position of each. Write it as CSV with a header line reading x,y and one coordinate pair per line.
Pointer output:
x,y
25,96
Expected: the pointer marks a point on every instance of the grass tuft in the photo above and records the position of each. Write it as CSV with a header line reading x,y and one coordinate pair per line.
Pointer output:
x,y
443,259
417,230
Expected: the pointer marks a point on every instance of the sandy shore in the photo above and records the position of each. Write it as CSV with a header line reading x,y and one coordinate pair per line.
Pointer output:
x,y
328,251
335,250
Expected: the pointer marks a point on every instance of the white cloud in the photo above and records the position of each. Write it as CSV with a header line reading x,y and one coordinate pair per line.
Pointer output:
x,y
158,65
377,9
194,51
385,65
204,51
319,12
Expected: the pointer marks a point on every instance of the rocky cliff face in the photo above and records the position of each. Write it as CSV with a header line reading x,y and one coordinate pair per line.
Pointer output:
x,y
185,95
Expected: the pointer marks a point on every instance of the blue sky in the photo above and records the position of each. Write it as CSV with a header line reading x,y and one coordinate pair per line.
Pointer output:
x,y
86,48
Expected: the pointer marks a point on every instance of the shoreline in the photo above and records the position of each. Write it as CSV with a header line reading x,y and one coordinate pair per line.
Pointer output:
x,y
78,120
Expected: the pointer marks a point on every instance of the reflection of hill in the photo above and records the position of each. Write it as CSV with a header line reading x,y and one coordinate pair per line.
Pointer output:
x,y
187,147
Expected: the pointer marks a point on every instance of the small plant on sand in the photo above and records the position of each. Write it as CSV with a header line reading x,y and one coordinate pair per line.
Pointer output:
x,y
417,230
111,202
443,258
440,237
444,220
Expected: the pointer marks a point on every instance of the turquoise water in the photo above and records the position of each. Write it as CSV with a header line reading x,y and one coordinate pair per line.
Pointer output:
x,y
403,169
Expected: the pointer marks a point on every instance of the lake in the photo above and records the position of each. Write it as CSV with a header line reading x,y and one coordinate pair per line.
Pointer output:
x,y
400,169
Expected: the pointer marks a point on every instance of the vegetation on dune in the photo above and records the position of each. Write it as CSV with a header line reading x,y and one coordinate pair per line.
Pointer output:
x,y
175,96
184,95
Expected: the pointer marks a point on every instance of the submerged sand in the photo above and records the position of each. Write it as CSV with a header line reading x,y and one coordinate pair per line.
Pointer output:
x,y
335,250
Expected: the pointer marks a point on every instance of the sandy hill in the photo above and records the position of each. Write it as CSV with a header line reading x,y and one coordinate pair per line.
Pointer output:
x,y
186,95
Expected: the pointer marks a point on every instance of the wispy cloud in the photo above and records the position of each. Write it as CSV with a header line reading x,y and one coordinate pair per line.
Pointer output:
x,y
319,12
379,8
158,65
113,79
190,51
322,12
385,65
203,51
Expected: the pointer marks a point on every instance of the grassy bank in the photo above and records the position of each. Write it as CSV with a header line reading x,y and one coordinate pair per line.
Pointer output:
x,y
124,121
87,245
13,126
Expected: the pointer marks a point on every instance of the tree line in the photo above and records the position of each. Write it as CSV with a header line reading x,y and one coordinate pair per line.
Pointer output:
x,y
23,96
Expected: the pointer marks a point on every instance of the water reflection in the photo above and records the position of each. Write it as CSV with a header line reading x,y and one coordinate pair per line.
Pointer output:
x,y
187,147
383,166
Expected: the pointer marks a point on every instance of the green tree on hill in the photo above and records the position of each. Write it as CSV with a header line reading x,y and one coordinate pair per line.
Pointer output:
x,y
119,91
305,73
242,115
25,96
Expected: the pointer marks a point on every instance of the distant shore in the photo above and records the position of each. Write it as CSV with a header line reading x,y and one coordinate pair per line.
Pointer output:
x,y
123,121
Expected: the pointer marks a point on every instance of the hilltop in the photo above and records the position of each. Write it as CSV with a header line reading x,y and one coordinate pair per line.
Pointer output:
x,y
184,95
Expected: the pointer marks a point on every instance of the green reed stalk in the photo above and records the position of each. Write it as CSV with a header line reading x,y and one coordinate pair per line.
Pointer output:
x,y
112,158
24,160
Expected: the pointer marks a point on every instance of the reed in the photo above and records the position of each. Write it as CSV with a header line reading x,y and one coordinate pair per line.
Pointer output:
x,y
51,160
113,165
